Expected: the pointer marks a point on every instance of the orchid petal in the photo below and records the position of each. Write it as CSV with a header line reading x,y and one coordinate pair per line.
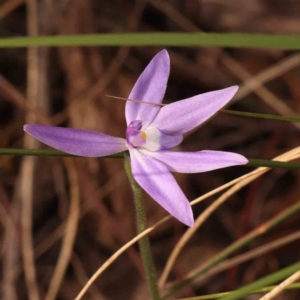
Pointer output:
x,y
151,87
158,182
182,116
77,142
197,162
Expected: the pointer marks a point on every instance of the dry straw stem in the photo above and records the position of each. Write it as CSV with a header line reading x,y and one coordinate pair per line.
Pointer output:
x,y
10,215
268,97
98,88
82,278
69,232
236,68
58,233
19,99
281,287
29,163
112,71
116,255
229,263
262,229
290,155
238,244
204,216
9,6
266,75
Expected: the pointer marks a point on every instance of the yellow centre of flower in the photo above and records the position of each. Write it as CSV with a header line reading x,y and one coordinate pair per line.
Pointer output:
x,y
143,134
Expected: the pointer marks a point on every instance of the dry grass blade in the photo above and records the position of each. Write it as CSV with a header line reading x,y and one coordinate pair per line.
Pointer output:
x,y
19,99
112,71
83,278
115,256
28,165
204,216
85,76
243,241
97,89
268,74
290,155
69,233
227,264
10,214
281,287
9,6
58,233
26,191
268,97
234,66
135,100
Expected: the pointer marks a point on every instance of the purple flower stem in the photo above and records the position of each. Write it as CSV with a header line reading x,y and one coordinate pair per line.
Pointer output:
x,y
141,226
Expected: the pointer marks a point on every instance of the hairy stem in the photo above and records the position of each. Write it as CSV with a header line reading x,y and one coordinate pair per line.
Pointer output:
x,y
141,226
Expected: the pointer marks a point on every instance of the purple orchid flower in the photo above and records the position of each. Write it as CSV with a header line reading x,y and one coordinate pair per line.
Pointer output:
x,y
151,131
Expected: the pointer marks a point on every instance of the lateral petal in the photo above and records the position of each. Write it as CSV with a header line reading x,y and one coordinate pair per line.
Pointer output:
x,y
182,116
197,162
150,87
155,178
77,142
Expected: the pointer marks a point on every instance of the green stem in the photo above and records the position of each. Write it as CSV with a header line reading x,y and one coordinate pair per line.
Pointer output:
x,y
260,116
294,286
51,152
44,152
253,162
141,226
236,40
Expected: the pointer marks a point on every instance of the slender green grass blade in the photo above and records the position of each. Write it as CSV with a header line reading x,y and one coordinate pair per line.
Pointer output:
x,y
235,40
52,152
253,162
294,286
262,229
44,152
260,116
265,281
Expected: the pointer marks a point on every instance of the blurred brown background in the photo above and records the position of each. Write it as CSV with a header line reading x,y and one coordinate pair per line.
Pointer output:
x,y
67,87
